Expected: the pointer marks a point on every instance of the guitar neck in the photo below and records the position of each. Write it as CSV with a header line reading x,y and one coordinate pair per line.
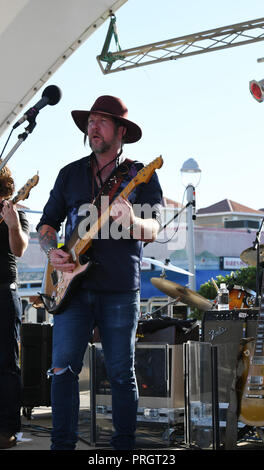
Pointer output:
x,y
14,201
84,242
142,176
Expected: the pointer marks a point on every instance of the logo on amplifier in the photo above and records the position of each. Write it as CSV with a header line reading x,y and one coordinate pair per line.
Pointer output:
x,y
214,333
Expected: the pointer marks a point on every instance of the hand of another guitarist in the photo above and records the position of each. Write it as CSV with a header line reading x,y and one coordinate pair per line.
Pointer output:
x,y
61,261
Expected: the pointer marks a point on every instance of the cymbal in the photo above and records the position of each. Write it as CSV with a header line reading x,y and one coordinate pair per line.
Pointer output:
x,y
168,265
187,296
249,256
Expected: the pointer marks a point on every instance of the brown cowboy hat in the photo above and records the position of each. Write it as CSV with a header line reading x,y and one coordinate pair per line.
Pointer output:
x,y
110,106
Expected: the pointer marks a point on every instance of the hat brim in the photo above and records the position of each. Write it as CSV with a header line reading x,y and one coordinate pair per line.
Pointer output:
x,y
133,133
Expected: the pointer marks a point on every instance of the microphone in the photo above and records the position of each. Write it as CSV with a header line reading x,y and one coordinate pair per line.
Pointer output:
x,y
51,95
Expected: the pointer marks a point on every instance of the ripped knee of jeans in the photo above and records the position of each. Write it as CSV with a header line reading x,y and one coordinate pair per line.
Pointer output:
x,y
59,371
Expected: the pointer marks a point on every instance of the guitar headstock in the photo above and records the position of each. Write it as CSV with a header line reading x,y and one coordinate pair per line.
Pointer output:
x,y
23,193
145,174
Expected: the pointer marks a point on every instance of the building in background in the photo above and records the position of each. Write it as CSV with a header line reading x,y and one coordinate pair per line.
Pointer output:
x,y
222,232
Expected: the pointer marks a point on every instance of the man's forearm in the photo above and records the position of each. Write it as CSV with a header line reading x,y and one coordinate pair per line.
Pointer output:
x,y
47,237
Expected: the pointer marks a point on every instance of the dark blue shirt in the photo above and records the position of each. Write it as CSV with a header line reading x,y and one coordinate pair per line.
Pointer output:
x,y
116,265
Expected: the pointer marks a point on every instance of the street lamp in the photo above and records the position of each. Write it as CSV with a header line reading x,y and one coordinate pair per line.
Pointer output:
x,y
191,175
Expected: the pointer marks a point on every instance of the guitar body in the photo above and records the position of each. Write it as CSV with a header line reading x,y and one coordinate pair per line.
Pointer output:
x,y
251,406
57,286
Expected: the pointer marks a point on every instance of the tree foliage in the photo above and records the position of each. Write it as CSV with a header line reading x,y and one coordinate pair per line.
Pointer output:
x,y
244,277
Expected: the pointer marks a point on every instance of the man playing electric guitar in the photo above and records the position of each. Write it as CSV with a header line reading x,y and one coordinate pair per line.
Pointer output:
x,y
107,295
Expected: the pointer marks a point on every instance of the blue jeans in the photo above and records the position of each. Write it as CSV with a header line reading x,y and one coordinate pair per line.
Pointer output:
x,y
116,316
10,380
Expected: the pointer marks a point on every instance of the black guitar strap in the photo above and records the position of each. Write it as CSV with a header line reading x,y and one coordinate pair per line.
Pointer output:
x,y
112,184
109,189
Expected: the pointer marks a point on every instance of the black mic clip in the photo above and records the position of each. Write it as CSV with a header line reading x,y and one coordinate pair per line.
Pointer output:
x,y
29,129
30,116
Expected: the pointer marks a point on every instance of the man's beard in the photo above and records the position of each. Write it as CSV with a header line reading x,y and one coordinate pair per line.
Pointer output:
x,y
100,147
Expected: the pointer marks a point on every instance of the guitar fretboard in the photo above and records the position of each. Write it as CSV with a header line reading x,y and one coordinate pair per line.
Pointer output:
x,y
142,176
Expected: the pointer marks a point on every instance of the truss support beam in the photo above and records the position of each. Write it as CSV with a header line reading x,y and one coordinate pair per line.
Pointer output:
x,y
172,49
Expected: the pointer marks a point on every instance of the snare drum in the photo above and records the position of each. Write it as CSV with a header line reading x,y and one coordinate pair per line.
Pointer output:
x,y
250,298
241,298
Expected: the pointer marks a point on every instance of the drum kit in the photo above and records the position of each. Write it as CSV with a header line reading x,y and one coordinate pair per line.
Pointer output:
x,y
239,297
177,291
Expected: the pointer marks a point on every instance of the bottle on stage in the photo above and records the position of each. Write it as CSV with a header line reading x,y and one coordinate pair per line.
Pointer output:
x,y
223,297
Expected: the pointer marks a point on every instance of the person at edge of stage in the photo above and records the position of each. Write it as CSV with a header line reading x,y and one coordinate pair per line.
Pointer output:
x,y
108,296
14,234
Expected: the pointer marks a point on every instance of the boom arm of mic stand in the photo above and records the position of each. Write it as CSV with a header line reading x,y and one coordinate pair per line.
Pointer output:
x,y
21,139
173,218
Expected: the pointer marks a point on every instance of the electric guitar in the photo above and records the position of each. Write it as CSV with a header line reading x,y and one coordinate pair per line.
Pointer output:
x,y
23,193
251,387
58,286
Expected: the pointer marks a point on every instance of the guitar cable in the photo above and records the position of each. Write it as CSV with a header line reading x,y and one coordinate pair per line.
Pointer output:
x,y
6,143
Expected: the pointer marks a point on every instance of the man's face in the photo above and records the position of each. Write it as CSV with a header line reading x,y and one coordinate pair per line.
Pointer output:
x,y
103,133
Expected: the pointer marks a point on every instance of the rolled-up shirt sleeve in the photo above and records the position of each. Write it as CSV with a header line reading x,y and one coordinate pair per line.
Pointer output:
x,y
149,200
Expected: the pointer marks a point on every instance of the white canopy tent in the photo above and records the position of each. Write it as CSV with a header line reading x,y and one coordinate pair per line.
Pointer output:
x,y
36,37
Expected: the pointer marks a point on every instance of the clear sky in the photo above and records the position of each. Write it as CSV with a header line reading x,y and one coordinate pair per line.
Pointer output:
x,y
198,107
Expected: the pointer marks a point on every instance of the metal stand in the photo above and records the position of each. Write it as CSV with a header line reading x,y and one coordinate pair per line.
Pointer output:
x,y
92,363
201,423
21,138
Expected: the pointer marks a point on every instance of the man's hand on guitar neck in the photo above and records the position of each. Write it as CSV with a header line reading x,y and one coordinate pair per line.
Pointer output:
x,y
58,258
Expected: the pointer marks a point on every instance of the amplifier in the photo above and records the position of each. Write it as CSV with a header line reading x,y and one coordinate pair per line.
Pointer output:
x,y
225,329
159,372
229,326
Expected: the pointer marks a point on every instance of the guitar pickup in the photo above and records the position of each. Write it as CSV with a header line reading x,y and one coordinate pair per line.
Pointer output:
x,y
73,255
258,360
254,396
255,379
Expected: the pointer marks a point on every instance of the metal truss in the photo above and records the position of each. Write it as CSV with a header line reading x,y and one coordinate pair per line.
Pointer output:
x,y
177,48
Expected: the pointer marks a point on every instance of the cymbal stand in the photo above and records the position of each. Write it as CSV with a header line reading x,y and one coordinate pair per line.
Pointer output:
x,y
149,316
259,266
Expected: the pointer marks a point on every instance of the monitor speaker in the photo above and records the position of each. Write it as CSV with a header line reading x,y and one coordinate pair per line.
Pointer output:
x,y
36,351
159,372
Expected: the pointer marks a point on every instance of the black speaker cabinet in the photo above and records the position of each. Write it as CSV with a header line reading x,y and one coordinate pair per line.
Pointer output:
x,y
170,335
36,350
225,330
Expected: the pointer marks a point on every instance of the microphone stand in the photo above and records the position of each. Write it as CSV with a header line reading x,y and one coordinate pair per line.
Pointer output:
x,y
173,218
256,246
21,138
